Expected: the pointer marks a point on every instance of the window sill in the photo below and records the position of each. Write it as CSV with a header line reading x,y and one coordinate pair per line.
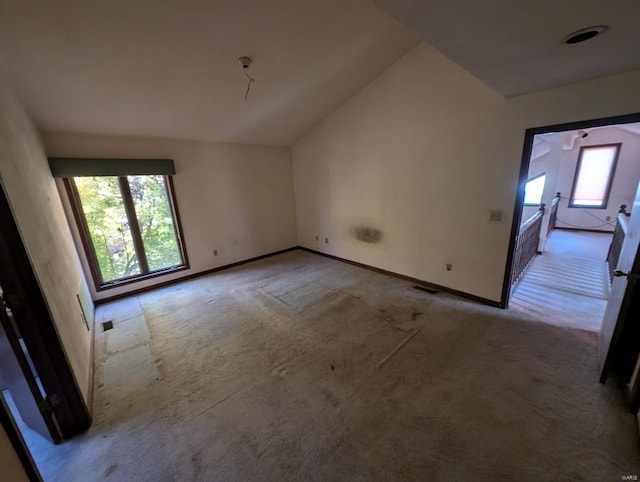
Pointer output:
x,y
587,207
138,278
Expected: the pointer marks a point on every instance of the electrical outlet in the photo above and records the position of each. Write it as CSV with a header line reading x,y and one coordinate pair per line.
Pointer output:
x,y
495,216
608,218
449,266
326,240
316,238
215,252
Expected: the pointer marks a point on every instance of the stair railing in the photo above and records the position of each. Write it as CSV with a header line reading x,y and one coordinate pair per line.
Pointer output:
x,y
527,244
622,226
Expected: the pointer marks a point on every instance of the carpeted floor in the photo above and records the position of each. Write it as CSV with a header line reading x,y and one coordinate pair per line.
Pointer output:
x,y
568,284
298,368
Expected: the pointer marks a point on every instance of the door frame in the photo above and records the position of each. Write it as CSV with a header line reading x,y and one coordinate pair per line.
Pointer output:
x,y
29,307
14,436
524,172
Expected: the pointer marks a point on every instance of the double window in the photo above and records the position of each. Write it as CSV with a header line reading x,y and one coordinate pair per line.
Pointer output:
x,y
128,224
594,176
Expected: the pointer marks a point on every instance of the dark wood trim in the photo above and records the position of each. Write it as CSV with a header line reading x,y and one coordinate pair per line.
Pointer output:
x,y
92,369
23,296
189,277
89,249
484,301
586,124
461,294
177,223
83,230
140,277
612,173
134,225
584,230
529,134
517,214
11,429
14,342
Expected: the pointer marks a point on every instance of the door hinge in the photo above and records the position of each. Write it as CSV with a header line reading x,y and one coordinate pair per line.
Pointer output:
x,y
47,404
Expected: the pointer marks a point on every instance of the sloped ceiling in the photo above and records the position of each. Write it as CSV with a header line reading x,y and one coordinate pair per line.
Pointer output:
x,y
518,47
169,67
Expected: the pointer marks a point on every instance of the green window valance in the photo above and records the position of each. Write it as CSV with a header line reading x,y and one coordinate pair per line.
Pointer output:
x,y
79,167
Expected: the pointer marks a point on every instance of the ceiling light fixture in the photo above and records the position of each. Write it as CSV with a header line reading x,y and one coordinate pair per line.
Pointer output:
x,y
245,62
585,34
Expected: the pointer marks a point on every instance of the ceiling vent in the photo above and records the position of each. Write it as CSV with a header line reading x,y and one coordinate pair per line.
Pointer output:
x,y
585,34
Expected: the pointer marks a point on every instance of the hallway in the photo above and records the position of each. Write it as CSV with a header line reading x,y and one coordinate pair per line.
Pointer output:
x,y
566,285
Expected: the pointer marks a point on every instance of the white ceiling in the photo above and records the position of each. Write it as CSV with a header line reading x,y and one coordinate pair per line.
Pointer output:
x,y
568,139
517,47
169,67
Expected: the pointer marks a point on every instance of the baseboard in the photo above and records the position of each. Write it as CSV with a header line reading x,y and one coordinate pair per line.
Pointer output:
x,y
189,277
461,294
584,230
93,367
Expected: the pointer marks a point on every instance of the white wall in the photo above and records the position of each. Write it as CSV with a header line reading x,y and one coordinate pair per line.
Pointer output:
x,y
10,465
623,189
236,199
423,154
41,220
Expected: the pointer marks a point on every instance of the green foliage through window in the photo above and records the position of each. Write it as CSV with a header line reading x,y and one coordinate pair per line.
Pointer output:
x,y
128,244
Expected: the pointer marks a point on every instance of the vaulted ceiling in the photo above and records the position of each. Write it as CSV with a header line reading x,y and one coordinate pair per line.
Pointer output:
x,y
518,47
169,68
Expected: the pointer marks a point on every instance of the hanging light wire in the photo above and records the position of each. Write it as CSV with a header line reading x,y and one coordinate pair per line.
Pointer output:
x,y
251,81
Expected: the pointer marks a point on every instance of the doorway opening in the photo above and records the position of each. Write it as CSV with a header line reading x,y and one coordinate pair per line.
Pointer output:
x,y
38,391
577,182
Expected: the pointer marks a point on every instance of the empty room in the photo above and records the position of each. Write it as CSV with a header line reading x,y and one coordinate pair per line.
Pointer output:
x,y
291,240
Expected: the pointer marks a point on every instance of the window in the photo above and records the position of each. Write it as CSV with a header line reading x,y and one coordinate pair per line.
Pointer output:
x,y
533,190
594,176
128,225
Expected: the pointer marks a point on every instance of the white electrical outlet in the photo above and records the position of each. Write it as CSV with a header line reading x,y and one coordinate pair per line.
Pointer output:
x,y
495,216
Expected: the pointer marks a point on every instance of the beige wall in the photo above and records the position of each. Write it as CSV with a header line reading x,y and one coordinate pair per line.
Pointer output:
x,y
41,220
423,154
236,199
10,465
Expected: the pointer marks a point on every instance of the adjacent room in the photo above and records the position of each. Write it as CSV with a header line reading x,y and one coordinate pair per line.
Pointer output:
x,y
284,240
580,184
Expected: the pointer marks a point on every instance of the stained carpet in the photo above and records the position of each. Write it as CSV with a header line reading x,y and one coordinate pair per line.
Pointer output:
x,y
299,367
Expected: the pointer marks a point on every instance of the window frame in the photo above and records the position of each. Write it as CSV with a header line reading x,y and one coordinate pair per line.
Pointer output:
x,y
612,174
89,249
525,190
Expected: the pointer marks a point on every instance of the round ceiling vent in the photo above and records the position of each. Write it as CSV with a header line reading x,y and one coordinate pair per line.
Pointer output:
x,y
585,34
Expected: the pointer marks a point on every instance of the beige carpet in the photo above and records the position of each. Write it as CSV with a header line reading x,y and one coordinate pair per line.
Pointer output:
x,y
299,368
568,284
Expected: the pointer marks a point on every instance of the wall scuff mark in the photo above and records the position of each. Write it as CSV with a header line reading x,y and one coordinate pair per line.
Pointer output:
x,y
367,234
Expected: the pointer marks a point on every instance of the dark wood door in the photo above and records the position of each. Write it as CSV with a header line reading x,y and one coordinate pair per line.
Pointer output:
x,y
21,380
617,317
35,329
